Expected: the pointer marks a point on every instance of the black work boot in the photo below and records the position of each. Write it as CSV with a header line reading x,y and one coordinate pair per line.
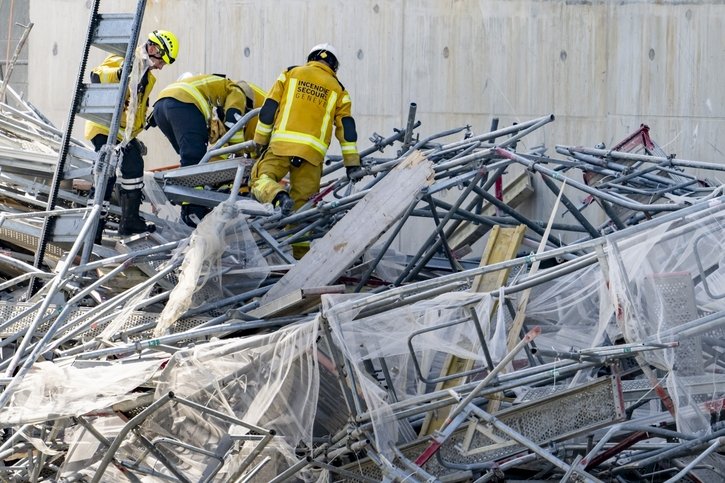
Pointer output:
x,y
284,202
131,221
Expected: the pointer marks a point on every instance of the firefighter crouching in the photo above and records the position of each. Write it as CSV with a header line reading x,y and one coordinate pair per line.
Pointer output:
x,y
196,111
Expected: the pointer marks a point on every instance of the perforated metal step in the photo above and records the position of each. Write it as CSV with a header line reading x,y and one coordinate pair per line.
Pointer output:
x,y
112,32
562,416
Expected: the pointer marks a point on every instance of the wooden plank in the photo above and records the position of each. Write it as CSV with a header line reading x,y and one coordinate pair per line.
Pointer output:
x,y
503,243
514,334
359,229
296,302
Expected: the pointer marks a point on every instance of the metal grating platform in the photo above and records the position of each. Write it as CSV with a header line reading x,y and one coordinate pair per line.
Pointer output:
x,y
136,319
670,297
562,416
208,174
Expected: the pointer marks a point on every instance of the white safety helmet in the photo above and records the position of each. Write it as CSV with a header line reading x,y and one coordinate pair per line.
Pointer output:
x,y
326,53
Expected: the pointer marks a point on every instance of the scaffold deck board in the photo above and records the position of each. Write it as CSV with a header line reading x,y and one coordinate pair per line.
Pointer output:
x,y
359,229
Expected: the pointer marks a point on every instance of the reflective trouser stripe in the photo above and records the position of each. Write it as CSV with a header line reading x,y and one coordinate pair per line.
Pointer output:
x,y
130,184
304,181
265,189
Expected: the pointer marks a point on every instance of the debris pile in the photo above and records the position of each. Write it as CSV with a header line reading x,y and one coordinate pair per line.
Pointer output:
x,y
213,355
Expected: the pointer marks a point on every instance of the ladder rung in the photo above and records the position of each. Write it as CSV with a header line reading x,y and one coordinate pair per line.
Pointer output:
x,y
98,102
113,32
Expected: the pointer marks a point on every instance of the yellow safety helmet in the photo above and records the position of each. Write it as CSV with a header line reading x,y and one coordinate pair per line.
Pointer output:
x,y
167,44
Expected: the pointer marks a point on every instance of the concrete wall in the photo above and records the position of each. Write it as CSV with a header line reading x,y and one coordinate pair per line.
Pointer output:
x,y
602,67
13,20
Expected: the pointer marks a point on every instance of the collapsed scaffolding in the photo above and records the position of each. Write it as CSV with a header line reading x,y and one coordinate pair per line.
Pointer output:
x,y
582,351
213,356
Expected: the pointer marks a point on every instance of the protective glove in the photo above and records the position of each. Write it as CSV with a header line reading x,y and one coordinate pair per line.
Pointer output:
x,y
231,117
354,173
259,149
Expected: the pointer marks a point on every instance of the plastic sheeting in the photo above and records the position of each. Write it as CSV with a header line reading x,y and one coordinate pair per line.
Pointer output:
x,y
645,287
648,288
269,380
56,390
221,242
386,335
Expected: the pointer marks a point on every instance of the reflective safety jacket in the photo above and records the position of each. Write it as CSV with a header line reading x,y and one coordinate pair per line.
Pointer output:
x,y
300,111
211,93
109,73
257,95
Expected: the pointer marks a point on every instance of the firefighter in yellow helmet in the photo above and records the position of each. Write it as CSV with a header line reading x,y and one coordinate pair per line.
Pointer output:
x,y
160,49
196,111
295,128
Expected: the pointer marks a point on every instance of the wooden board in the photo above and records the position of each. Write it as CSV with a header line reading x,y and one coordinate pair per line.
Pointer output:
x,y
359,229
503,243
299,301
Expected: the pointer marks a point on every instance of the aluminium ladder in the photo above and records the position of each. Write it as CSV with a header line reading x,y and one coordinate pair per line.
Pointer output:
x,y
103,103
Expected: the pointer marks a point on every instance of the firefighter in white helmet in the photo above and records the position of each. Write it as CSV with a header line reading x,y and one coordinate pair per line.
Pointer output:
x,y
295,128
160,49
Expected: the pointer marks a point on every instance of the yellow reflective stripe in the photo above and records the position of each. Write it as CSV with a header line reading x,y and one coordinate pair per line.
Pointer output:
x,y
348,148
237,138
288,103
328,112
258,90
200,99
346,99
263,128
300,138
204,81
281,78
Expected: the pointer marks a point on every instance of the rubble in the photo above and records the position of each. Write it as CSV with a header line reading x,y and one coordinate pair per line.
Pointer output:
x,y
586,346
212,355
